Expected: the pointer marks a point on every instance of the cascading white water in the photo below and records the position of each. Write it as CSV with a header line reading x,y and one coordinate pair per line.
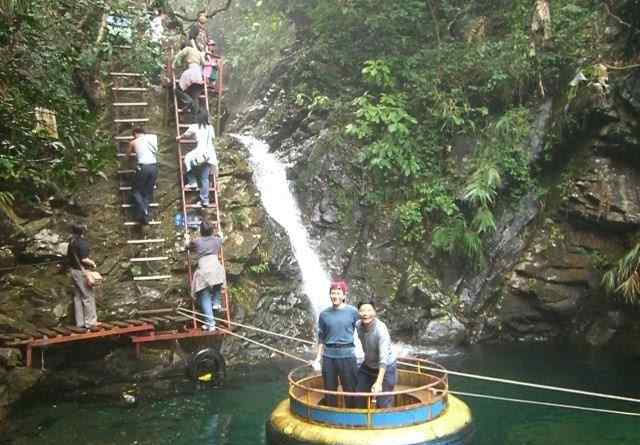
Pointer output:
x,y
269,175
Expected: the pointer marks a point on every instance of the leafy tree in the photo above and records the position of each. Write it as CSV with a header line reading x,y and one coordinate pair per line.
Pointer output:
x,y
50,58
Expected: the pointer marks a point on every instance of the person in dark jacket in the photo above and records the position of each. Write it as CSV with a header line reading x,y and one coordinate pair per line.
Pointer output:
x,y
84,300
198,32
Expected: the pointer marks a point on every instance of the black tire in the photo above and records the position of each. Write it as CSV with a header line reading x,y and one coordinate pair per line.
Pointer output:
x,y
207,366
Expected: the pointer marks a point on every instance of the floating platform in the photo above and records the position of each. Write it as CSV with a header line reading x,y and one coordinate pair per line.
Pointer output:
x,y
422,413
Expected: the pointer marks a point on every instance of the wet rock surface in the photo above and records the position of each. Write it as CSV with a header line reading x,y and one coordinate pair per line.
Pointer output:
x,y
607,195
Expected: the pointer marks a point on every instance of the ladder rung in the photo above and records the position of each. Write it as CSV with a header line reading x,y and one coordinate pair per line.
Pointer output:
x,y
122,46
187,141
152,277
123,138
126,74
136,223
124,155
152,258
128,188
131,120
211,189
146,241
183,125
128,206
126,172
198,206
132,89
130,104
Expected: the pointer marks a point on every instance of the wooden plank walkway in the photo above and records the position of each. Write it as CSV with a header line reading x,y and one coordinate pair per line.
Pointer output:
x,y
169,326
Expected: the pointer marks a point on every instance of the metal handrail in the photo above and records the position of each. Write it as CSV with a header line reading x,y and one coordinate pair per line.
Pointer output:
x,y
440,380
181,177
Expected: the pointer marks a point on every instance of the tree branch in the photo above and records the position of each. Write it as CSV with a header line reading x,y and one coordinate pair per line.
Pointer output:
x,y
627,67
435,21
622,22
209,14
219,10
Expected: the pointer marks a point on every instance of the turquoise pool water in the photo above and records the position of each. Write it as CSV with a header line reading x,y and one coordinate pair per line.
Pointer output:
x,y
235,415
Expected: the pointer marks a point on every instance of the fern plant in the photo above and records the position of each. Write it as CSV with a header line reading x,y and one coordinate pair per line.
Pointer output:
x,y
624,277
458,239
6,207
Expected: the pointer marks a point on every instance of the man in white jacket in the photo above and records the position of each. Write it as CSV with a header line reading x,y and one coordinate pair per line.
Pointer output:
x,y
378,371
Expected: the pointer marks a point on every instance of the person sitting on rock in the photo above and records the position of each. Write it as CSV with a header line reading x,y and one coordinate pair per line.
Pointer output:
x,y
209,277
378,371
84,299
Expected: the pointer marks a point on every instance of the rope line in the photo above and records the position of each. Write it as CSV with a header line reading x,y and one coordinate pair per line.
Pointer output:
x,y
528,384
535,402
253,328
460,374
199,317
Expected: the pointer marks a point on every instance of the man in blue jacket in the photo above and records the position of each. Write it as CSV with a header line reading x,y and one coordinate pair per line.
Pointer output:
x,y
336,348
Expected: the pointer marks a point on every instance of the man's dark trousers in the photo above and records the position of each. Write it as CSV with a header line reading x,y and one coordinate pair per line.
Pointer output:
x,y
368,376
191,97
344,368
143,184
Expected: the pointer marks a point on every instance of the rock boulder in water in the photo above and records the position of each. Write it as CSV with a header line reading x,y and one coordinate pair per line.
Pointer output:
x,y
446,330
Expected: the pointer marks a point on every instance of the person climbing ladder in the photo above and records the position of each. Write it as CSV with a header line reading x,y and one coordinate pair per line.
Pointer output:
x,y
208,279
198,162
145,147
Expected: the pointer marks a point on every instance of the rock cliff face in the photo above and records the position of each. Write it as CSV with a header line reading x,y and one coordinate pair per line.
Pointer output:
x,y
587,221
546,258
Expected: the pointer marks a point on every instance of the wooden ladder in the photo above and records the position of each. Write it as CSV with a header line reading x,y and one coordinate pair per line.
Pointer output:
x,y
130,109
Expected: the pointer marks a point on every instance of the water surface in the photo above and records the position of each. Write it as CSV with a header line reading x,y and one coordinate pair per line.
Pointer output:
x,y
235,415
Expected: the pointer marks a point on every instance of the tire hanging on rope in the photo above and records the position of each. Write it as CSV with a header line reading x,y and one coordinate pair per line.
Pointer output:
x,y
207,366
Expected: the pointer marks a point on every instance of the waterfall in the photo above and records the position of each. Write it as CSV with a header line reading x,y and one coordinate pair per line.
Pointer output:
x,y
269,176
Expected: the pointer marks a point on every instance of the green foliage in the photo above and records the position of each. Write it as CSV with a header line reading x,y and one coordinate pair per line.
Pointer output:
x,y
386,123
262,265
253,44
624,278
6,206
457,238
50,52
406,81
377,72
314,102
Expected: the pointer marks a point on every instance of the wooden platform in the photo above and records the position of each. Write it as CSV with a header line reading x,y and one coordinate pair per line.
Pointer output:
x,y
151,328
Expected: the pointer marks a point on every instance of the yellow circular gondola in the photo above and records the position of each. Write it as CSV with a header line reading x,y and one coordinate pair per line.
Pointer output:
x,y
423,412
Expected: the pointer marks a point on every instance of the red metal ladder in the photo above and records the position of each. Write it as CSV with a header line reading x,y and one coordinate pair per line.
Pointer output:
x,y
183,146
